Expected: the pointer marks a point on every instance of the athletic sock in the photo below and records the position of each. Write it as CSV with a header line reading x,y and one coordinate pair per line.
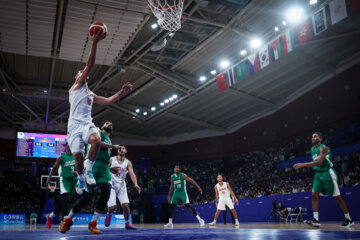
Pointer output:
x,y
198,217
170,220
236,220
109,214
88,165
316,216
51,215
127,221
96,216
81,177
71,214
347,216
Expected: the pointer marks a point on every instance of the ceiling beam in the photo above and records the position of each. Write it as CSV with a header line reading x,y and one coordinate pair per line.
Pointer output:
x,y
194,121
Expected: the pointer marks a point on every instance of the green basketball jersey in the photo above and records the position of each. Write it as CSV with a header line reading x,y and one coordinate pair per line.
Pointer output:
x,y
327,164
179,183
104,153
67,166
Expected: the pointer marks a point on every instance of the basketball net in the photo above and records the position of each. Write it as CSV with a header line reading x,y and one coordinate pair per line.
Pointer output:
x,y
168,13
52,188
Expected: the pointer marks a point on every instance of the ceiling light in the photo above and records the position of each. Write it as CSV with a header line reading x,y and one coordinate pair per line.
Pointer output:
x,y
295,14
213,72
284,23
224,64
175,96
45,91
171,99
171,34
162,104
255,43
154,26
312,2
153,108
166,101
137,110
243,52
145,113
202,78
276,28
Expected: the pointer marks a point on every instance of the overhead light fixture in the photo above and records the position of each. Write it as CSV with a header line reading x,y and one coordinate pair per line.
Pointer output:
x,y
213,72
224,64
312,2
171,99
295,14
162,104
153,108
276,28
202,78
255,43
145,113
154,26
137,110
175,96
243,52
171,34
166,101
45,91
4,89
284,23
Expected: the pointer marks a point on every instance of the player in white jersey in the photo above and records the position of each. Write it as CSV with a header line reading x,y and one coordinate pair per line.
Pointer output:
x,y
81,129
119,167
223,191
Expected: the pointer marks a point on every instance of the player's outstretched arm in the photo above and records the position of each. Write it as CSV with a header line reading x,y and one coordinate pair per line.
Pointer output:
x,y
171,188
80,80
110,100
54,168
323,152
133,177
187,178
216,196
232,194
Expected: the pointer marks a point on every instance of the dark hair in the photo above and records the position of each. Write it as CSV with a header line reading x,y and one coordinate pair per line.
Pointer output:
x,y
320,135
123,145
220,175
102,124
177,166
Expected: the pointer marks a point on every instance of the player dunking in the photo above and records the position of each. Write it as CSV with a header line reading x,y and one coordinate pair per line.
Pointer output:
x,y
222,193
68,178
178,185
81,129
325,180
119,167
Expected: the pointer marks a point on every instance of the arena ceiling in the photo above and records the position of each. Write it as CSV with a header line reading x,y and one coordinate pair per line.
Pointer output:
x,y
43,43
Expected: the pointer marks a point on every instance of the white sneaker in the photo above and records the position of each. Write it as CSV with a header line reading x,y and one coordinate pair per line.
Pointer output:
x,y
202,223
213,223
169,225
80,186
89,177
237,223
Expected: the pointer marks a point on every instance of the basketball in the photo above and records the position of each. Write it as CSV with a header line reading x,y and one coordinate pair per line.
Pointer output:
x,y
98,26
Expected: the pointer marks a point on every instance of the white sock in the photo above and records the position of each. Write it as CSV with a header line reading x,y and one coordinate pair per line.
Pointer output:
x,y
236,220
170,220
109,214
316,216
71,214
347,216
51,215
96,216
198,217
88,165
214,221
81,177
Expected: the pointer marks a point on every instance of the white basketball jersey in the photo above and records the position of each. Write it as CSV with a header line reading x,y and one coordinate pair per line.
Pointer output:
x,y
223,190
120,176
81,101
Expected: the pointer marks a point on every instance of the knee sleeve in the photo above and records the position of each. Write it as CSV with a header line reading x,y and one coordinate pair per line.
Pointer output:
x,y
105,189
65,202
171,210
191,209
84,200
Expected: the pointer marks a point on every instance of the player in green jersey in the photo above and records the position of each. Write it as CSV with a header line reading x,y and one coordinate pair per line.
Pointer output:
x,y
102,176
180,196
68,178
325,180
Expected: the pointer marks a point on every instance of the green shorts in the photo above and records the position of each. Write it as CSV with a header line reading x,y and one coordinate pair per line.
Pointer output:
x,y
180,198
326,183
101,172
67,185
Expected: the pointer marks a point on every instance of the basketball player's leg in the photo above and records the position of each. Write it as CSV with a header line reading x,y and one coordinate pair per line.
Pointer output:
x,y
91,136
230,205
174,200
111,207
220,207
185,199
124,201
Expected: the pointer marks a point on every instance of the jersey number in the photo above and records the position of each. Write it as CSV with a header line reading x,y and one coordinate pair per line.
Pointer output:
x,y
73,168
178,185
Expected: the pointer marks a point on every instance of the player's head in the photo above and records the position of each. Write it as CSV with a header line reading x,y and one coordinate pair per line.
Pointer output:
x,y
317,138
68,150
122,150
107,126
220,178
177,169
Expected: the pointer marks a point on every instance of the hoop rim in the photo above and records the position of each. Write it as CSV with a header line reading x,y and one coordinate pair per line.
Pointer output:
x,y
166,9
52,188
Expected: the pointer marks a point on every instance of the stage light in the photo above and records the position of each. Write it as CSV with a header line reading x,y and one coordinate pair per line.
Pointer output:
x,y
154,26
284,23
153,108
202,78
213,72
162,104
255,43
137,110
166,101
175,96
145,113
224,64
243,52
276,28
295,14
312,2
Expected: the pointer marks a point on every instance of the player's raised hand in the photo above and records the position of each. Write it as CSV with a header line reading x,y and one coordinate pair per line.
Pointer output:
x,y
126,88
138,189
98,35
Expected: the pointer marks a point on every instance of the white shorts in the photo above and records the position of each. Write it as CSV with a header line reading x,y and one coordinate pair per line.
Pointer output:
x,y
225,201
121,194
78,136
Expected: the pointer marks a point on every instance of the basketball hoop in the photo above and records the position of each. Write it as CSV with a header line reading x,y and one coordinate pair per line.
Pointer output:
x,y
168,13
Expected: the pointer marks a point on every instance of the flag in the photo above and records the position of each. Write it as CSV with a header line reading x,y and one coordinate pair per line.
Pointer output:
x,y
275,45
264,57
240,71
221,81
253,63
303,32
355,5
337,10
288,41
319,21
231,76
